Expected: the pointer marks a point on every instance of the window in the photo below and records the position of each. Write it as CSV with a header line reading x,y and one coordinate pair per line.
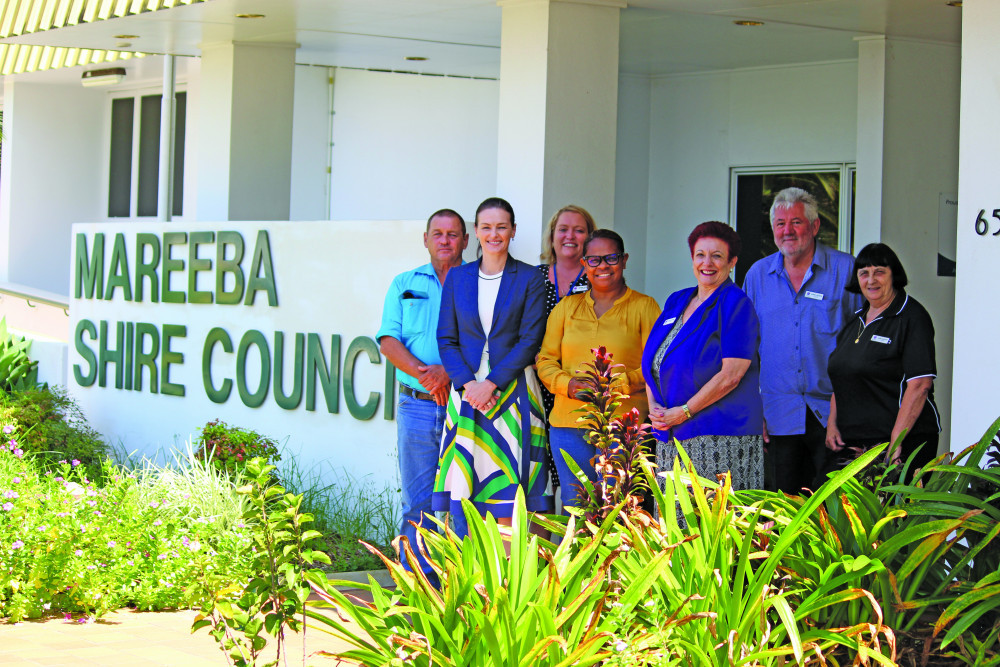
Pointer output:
x,y
135,156
752,192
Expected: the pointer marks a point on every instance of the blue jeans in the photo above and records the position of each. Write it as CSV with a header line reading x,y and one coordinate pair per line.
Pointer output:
x,y
419,424
571,440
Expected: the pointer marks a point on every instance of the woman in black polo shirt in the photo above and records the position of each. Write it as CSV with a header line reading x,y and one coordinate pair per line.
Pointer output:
x,y
883,367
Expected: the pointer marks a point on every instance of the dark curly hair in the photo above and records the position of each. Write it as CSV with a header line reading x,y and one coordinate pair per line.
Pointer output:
x,y
608,234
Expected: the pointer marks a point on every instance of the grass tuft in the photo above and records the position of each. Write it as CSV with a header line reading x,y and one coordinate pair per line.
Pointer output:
x,y
345,510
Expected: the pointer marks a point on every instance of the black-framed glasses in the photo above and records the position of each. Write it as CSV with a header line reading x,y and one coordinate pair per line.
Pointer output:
x,y
595,260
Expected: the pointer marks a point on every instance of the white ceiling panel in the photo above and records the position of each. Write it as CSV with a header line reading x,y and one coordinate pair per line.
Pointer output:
x,y
462,37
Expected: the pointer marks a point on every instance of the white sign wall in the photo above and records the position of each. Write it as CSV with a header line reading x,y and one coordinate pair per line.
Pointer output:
x,y
266,325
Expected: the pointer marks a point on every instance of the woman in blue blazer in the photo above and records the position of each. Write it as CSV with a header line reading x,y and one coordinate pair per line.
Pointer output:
x,y
489,331
702,369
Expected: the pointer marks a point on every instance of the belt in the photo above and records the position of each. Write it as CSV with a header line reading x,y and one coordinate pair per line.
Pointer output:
x,y
422,395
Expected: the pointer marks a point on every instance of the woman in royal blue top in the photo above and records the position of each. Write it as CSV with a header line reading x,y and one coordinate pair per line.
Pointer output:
x,y
491,326
702,370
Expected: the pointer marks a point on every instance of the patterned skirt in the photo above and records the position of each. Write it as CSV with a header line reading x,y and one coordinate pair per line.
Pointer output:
x,y
485,457
740,455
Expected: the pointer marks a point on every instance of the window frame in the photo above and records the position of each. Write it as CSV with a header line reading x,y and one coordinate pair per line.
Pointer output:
x,y
847,171
137,94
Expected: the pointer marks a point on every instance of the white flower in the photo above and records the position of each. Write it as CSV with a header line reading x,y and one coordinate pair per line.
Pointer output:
x,y
74,489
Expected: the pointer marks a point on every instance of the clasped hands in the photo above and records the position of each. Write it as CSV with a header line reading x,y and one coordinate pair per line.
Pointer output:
x,y
666,418
435,380
480,395
835,443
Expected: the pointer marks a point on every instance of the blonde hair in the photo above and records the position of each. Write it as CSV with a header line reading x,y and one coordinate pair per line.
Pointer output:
x,y
548,253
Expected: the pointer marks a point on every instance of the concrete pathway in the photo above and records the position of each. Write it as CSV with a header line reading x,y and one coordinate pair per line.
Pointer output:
x,y
125,637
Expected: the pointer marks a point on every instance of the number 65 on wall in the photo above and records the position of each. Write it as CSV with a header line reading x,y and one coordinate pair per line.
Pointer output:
x,y
983,226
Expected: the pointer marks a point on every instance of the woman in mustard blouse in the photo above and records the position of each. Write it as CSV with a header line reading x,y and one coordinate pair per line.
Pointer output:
x,y
609,314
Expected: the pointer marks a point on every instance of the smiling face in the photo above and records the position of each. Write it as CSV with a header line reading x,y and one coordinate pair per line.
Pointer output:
x,y
876,285
794,233
711,262
445,240
494,231
569,235
604,277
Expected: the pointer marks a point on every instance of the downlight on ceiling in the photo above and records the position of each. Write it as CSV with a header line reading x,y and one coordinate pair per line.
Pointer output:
x,y
103,77
749,23
415,58
249,16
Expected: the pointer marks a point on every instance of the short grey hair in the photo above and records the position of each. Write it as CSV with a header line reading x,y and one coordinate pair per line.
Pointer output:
x,y
789,197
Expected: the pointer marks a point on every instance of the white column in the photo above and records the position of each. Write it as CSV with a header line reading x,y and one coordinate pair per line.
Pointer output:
x,y
558,111
977,319
871,123
245,148
907,156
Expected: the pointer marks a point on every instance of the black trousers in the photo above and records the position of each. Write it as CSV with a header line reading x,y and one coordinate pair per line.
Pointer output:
x,y
792,462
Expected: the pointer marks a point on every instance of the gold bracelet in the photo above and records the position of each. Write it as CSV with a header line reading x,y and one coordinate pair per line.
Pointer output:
x,y
687,412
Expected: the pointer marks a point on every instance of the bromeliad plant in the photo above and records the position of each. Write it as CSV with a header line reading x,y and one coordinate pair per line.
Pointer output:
x,y
621,442
542,605
849,574
722,600
917,548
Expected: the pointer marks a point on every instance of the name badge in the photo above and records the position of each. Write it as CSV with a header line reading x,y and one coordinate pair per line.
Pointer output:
x,y
881,339
814,295
578,288
670,321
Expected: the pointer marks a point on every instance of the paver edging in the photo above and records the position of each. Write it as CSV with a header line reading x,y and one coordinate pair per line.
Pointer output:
x,y
382,577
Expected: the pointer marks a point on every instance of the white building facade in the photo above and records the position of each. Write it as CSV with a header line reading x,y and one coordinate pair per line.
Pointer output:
x,y
647,113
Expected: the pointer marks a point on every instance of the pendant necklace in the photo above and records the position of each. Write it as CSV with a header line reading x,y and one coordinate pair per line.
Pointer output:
x,y
861,329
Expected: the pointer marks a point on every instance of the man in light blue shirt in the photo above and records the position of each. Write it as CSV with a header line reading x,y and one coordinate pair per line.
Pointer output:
x,y
802,305
408,338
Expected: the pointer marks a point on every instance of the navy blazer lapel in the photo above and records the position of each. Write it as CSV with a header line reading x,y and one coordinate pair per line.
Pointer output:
x,y
506,290
470,296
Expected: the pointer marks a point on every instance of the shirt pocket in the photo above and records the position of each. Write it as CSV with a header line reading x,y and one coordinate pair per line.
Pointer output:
x,y
416,311
825,316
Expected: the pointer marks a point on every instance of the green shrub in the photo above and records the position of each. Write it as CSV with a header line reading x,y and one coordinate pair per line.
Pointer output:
x,y
346,510
84,546
52,428
273,599
231,447
17,371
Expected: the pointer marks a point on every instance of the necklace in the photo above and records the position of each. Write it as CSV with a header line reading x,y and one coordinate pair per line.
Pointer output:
x,y
861,329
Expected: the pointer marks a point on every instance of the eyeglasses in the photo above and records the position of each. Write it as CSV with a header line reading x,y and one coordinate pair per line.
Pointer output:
x,y
595,260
